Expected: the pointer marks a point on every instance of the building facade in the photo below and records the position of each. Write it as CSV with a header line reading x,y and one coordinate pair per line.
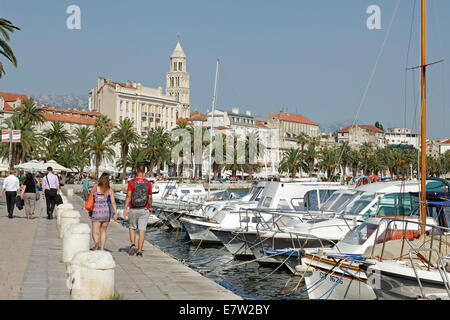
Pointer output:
x,y
356,135
396,136
148,107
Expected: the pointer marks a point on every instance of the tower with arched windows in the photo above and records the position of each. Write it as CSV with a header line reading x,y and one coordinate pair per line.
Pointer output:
x,y
178,79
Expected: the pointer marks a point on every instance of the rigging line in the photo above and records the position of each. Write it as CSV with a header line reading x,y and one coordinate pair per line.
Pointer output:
x,y
407,57
372,74
438,27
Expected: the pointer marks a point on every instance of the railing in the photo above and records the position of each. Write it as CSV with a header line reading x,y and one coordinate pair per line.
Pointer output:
x,y
435,230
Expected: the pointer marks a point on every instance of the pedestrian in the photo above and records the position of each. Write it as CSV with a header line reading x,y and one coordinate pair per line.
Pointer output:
x,y
139,199
11,186
51,186
101,213
86,191
28,195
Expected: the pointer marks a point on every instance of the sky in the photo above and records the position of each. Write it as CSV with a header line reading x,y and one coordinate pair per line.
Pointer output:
x,y
309,57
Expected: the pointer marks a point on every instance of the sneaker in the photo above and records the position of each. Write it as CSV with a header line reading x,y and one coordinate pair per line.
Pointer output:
x,y
132,250
95,247
139,254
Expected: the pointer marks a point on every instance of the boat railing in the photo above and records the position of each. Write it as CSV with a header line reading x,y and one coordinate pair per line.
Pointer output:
x,y
433,230
439,265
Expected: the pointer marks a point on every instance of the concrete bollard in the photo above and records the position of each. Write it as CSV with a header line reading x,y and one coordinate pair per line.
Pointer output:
x,y
92,275
68,217
76,238
59,209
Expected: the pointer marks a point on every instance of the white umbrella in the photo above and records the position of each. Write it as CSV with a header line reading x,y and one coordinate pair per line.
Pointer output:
x,y
56,166
32,165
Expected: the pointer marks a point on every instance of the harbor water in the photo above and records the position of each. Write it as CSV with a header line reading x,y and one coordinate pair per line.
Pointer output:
x,y
245,278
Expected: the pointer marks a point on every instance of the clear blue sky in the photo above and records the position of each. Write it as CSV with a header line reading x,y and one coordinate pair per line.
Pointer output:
x,y
311,57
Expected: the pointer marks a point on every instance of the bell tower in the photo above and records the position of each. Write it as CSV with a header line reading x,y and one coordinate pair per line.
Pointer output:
x,y
177,84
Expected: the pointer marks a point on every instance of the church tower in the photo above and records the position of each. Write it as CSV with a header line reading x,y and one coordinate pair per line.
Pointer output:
x,y
177,84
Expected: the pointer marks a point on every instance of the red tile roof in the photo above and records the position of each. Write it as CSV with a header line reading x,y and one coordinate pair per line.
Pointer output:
x,y
362,126
261,124
446,141
11,97
292,117
67,118
198,116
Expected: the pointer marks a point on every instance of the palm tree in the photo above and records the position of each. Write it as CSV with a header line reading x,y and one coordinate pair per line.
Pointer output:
x,y
101,148
344,154
328,161
252,147
6,27
365,151
103,122
125,135
354,161
303,139
291,162
309,156
23,149
136,156
57,131
30,111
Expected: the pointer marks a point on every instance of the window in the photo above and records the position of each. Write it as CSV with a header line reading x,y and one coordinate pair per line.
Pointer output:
x,y
174,66
184,191
180,66
266,202
360,202
396,204
283,205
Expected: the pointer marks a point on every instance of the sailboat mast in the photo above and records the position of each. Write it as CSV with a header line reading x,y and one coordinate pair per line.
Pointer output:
x,y
424,118
212,125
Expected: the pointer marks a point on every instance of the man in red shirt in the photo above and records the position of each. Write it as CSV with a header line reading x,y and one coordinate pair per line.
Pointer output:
x,y
139,198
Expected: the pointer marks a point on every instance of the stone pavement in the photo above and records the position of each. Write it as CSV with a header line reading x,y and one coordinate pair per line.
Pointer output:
x,y
30,267
29,264
156,275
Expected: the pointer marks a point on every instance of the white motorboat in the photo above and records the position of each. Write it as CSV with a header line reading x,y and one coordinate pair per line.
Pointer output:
x,y
379,199
276,195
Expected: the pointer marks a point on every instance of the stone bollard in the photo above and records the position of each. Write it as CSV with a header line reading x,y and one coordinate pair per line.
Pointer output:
x,y
59,209
92,276
67,217
76,238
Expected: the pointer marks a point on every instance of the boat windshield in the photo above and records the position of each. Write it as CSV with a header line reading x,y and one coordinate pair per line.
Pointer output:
x,y
257,194
358,202
394,204
360,234
337,201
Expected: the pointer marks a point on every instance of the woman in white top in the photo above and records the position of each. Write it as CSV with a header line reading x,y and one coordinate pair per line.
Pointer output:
x,y
11,185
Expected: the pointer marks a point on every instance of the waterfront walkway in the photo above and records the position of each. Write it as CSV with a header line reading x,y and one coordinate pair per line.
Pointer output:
x,y
30,267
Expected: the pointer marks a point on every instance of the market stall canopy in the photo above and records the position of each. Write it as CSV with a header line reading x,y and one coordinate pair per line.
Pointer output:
x,y
56,166
32,165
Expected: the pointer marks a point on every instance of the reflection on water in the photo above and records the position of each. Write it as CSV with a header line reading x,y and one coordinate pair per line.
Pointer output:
x,y
250,279
215,262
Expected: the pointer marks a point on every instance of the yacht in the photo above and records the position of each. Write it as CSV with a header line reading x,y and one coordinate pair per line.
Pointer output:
x,y
276,195
326,229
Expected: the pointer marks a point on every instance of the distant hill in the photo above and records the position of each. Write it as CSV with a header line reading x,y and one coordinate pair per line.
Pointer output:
x,y
63,101
333,126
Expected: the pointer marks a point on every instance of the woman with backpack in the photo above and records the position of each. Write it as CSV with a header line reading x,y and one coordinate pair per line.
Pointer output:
x,y
101,212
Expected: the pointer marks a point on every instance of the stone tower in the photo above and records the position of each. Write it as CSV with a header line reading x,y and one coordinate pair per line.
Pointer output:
x,y
178,79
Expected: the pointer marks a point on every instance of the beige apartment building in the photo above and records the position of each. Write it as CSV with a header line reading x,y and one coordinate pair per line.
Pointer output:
x,y
148,107
358,134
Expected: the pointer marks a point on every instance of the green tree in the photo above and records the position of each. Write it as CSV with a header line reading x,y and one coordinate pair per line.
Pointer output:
x,y
57,132
101,148
125,135
291,162
6,27
30,112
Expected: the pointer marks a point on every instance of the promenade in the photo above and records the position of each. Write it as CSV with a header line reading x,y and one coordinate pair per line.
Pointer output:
x,y
30,267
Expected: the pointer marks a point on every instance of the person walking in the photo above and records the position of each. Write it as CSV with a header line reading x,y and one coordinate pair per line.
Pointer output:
x,y
11,186
28,195
101,213
139,199
50,184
